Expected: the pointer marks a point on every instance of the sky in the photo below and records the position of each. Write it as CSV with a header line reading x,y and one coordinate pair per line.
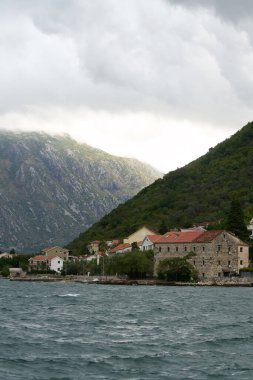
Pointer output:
x,y
158,80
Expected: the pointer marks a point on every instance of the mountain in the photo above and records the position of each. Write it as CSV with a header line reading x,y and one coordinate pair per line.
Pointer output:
x,y
200,191
52,188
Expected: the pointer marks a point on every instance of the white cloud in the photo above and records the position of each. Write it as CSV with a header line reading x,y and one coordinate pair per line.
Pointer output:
x,y
105,69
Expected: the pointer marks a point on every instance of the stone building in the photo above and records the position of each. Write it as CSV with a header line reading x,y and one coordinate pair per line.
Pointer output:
x,y
216,254
56,251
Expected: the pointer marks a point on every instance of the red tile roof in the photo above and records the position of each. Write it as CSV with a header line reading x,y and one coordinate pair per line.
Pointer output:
x,y
42,258
208,236
120,247
179,237
155,238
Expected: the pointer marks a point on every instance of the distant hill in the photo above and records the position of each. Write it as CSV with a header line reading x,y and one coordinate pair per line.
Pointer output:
x,y
200,191
52,188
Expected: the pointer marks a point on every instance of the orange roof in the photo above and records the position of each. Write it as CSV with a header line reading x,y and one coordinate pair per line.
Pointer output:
x,y
178,237
42,258
155,238
207,236
120,247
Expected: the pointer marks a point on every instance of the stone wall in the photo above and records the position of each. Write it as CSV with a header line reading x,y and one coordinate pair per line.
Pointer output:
x,y
214,259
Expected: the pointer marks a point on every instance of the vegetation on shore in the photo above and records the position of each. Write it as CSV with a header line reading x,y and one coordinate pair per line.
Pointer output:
x,y
135,264
17,261
200,191
177,269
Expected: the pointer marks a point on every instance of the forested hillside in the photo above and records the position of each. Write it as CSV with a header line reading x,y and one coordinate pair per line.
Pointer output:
x,y
200,191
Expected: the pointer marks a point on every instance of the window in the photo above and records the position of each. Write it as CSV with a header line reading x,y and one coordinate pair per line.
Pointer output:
x,y
229,249
219,248
203,262
203,248
203,275
241,262
59,262
160,249
194,249
168,249
193,262
176,249
241,249
185,249
218,274
229,262
218,262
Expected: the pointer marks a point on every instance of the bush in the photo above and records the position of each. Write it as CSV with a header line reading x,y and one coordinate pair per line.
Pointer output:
x,y
177,269
5,272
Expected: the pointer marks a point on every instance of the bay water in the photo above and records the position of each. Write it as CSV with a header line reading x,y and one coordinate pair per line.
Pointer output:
x,y
67,331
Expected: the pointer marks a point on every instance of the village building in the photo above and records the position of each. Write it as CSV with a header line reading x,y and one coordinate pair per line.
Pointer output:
x,y
112,242
250,228
5,255
93,247
214,254
43,263
56,264
17,272
121,248
56,251
138,235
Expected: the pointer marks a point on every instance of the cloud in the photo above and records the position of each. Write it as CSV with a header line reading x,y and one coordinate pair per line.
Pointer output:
x,y
232,10
148,73
119,56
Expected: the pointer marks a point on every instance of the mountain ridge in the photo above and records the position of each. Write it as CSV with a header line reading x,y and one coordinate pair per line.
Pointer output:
x,y
52,188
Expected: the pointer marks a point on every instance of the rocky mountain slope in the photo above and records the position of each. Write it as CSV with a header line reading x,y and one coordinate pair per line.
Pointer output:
x,y
199,192
52,188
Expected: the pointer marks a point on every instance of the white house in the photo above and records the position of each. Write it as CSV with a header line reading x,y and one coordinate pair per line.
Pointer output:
x,y
149,240
56,264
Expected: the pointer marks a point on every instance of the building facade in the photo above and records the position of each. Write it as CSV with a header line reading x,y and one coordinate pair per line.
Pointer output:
x,y
214,254
138,235
56,251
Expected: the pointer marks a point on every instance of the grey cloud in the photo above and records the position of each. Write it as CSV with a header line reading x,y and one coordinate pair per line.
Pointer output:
x,y
233,10
117,55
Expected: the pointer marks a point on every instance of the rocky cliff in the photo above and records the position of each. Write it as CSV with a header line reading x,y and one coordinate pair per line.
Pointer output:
x,y
52,188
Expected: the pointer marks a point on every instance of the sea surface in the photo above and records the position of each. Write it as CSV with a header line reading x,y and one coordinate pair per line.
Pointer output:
x,y
65,331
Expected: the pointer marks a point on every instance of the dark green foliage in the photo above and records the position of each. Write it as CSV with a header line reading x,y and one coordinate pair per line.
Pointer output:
x,y
19,261
5,272
235,221
135,264
200,191
75,268
163,228
176,269
135,246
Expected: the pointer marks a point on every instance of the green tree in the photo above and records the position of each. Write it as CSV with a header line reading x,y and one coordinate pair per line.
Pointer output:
x,y
163,228
135,264
177,269
135,246
103,247
235,221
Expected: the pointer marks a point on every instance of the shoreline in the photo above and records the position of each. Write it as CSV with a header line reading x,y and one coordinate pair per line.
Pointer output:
x,y
129,282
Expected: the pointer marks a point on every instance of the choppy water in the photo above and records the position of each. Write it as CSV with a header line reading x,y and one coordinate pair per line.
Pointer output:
x,y
62,331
